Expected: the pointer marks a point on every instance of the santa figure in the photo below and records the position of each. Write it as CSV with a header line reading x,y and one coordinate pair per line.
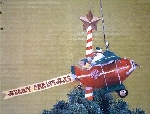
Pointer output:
x,y
98,54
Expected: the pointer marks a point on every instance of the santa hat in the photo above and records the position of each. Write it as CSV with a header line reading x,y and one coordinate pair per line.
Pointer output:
x,y
98,49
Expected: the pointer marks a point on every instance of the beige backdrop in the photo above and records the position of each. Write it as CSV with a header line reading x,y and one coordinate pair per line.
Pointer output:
x,y
41,39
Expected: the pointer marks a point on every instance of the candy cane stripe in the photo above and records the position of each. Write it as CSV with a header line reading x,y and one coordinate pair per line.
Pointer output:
x,y
89,32
89,36
89,93
89,40
89,48
89,44
89,53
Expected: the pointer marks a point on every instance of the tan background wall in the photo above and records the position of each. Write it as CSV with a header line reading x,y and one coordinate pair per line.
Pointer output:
x,y
41,39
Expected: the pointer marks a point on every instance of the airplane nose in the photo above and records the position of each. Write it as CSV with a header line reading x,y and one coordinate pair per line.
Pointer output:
x,y
135,64
133,67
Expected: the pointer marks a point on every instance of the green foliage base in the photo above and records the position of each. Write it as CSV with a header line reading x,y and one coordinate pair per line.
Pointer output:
x,y
103,103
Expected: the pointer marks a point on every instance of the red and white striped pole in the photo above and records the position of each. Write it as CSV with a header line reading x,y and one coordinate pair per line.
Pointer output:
x,y
89,24
89,93
89,51
89,42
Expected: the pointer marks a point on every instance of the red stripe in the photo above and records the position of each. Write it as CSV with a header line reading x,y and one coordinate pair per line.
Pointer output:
x,y
88,48
90,98
89,40
89,91
89,32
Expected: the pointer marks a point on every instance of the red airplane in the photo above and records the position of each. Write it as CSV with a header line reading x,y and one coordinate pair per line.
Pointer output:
x,y
107,72
108,76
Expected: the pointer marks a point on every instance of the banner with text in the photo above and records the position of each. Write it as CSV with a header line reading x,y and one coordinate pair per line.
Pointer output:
x,y
38,86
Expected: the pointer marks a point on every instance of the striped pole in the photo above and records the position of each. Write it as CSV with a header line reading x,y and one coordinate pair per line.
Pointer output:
x,y
89,42
89,93
89,51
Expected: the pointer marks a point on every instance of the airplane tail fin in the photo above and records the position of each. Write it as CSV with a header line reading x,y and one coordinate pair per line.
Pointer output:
x,y
75,72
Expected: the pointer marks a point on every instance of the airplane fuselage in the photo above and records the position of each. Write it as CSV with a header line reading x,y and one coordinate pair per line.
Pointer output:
x,y
110,74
